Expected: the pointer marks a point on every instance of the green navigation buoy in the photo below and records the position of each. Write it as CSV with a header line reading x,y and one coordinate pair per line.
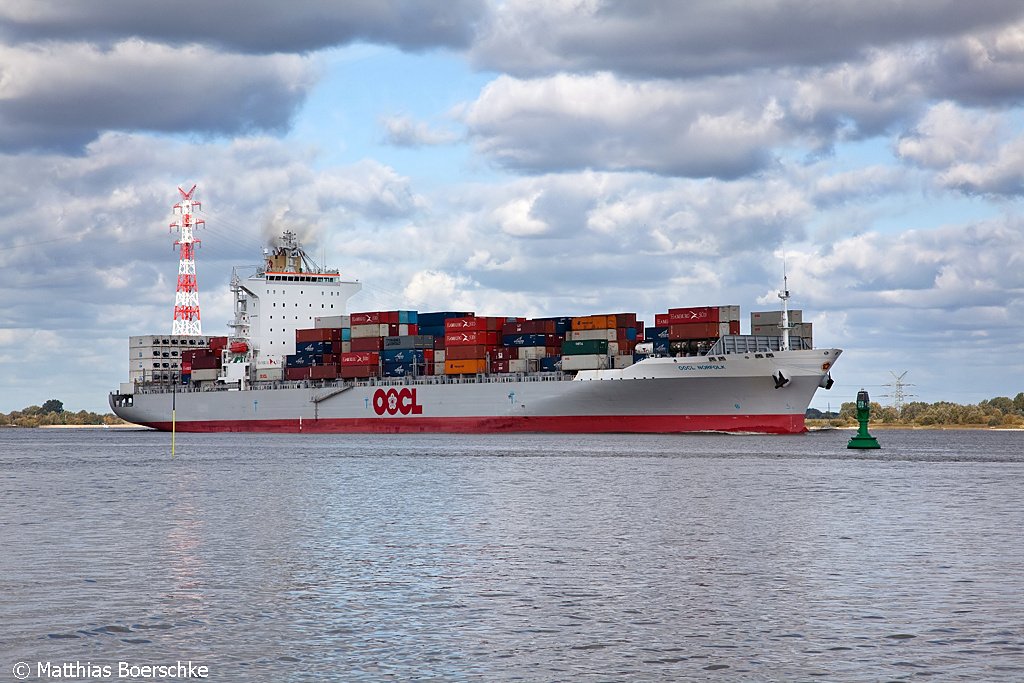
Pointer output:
x,y
863,439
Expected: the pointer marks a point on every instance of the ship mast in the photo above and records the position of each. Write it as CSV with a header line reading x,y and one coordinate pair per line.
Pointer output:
x,y
186,297
784,324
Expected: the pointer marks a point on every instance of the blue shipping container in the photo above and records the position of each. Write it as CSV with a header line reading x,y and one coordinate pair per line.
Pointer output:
x,y
402,355
398,369
656,333
550,363
524,340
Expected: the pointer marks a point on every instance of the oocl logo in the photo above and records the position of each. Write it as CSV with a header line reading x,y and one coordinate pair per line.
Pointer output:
x,y
395,401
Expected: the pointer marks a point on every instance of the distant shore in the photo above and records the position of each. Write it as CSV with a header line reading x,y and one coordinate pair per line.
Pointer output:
x,y
818,425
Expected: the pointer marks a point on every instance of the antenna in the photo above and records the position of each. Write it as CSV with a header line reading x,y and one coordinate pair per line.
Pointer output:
x,y
898,389
784,295
186,297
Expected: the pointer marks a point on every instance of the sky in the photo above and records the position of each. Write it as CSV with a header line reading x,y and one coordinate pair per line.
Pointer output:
x,y
525,157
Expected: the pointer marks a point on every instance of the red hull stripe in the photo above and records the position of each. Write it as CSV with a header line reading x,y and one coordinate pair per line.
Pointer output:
x,y
609,424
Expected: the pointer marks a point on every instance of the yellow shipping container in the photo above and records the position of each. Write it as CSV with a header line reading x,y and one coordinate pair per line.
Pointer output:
x,y
593,322
465,367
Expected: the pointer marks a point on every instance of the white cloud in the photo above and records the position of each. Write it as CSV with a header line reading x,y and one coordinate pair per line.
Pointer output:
x,y
403,131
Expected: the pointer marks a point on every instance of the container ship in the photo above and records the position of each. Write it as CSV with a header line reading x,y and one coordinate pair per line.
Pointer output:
x,y
295,361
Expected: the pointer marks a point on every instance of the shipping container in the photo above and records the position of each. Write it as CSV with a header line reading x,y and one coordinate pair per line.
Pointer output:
x,y
270,374
364,318
332,321
400,370
323,372
504,353
360,358
358,371
437,318
656,333
585,361
526,339
584,347
480,351
775,317
296,373
551,363
409,341
465,367
694,314
367,344
607,334
372,330
593,322
315,334
314,347
697,330
622,361
529,327
797,330
204,375
472,338
404,355
534,352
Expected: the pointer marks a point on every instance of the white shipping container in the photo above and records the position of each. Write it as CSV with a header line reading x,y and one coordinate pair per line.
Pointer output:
x,y
200,375
613,348
520,365
798,330
439,359
582,335
368,331
775,317
595,361
270,374
622,361
728,313
532,352
332,321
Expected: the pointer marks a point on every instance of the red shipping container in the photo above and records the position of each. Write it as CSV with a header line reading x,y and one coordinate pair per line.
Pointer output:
x,y
693,331
367,344
314,334
323,372
296,373
698,314
358,371
218,344
471,338
500,365
360,358
661,320
365,318
625,319
469,323
504,352
734,327
467,352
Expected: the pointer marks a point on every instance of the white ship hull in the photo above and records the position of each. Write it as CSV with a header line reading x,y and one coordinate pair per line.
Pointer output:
x,y
732,393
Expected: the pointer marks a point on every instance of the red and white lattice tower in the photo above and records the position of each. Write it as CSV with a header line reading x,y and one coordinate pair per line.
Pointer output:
x,y
186,299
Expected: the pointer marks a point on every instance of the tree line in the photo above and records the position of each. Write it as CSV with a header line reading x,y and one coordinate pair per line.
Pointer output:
x,y
1000,411
52,412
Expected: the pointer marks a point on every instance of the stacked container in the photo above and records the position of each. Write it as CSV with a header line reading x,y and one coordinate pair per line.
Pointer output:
x,y
766,324
693,330
469,343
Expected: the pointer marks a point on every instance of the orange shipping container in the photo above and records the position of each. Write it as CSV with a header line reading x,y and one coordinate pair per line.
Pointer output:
x,y
593,322
464,367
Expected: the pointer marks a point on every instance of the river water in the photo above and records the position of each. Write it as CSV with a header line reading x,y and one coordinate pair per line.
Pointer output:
x,y
503,558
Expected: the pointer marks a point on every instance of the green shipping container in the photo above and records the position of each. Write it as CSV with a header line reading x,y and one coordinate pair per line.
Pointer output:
x,y
584,346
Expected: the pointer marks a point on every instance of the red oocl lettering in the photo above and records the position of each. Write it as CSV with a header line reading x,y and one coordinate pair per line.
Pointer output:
x,y
394,401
